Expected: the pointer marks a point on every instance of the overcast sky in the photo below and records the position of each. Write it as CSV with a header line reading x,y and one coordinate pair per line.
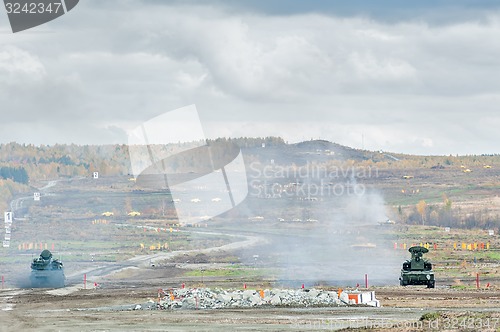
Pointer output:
x,y
407,76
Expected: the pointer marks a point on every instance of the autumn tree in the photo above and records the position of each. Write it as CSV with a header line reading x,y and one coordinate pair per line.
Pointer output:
x,y
447,203
422,209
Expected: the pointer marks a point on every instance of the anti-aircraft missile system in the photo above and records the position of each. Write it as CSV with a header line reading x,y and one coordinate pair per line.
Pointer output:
x,y
417,271
46,272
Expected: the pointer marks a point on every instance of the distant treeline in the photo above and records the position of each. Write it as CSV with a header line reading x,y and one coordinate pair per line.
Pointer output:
x,y
44,162
17,174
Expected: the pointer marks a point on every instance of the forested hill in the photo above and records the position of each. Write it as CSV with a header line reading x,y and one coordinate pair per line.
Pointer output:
x,y
21,164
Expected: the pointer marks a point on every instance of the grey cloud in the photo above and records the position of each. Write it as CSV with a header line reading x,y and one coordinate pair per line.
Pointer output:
x,y
418,81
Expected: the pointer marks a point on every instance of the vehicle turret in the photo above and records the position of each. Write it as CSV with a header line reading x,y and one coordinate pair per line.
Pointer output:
x,y
417,270
46,271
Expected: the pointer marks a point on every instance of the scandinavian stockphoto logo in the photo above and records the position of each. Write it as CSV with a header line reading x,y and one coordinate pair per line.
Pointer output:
x,y
170,152
25,14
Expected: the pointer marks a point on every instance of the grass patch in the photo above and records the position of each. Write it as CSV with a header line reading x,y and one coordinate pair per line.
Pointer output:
x,y
459,287
488,255
430,316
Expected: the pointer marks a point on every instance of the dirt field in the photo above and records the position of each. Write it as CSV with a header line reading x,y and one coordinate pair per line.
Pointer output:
x,y
121,254
111,306
111,309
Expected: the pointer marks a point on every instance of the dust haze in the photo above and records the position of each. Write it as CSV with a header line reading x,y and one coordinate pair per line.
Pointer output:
x,y
328,226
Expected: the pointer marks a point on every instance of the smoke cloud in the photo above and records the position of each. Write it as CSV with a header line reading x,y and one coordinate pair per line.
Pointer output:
x,y
326,224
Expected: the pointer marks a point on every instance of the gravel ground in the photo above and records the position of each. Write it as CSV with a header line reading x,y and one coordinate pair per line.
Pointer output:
x,y
112,310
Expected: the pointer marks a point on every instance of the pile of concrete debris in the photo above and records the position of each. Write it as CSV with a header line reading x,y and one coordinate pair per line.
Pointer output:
x,y
206,298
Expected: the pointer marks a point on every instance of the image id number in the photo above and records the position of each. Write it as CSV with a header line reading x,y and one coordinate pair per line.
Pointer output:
x,y
32,8
470,323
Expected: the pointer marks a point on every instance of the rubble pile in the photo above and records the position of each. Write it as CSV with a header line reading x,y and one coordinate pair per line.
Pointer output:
x,y
206,298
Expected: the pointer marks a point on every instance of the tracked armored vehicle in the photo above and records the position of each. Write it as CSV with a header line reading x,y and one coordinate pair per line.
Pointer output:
x,y
47,272
417,271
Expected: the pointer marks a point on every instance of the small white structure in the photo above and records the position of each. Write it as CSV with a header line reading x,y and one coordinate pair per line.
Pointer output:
x,y
367,298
